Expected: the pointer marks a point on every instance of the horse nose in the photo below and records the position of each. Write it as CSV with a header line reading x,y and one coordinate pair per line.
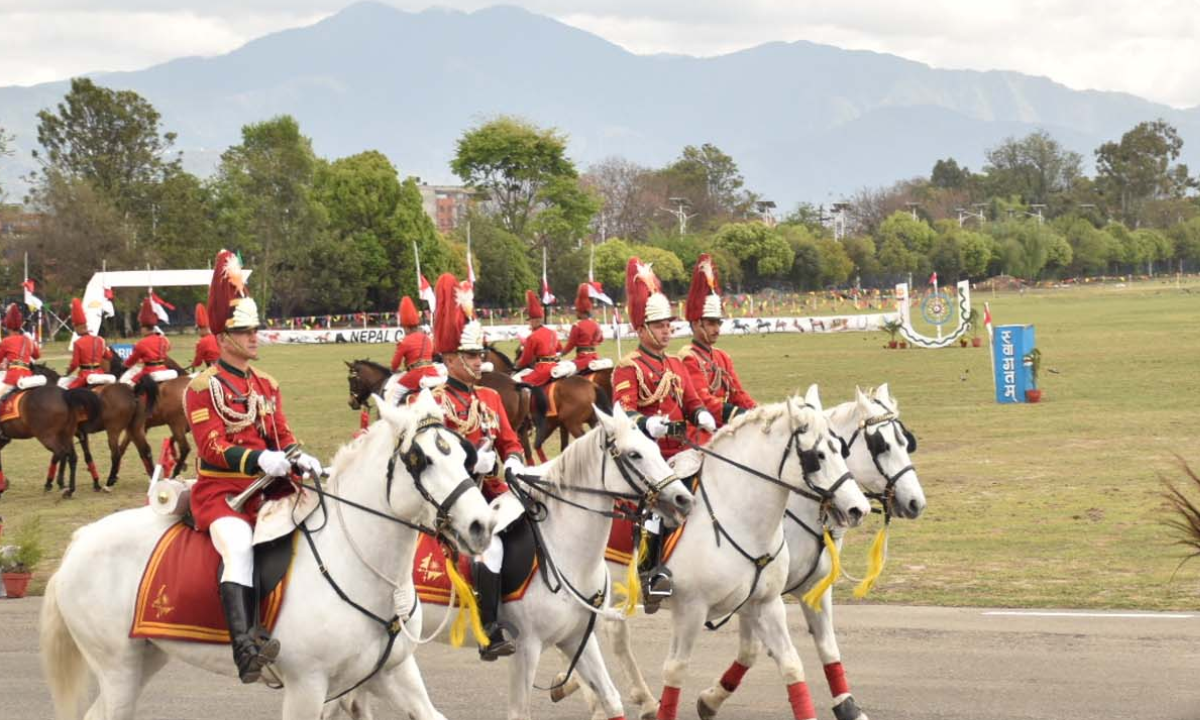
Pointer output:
x,y
856,516
915,507
683,503
479,534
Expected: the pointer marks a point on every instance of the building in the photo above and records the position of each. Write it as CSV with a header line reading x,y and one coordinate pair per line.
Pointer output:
x,y
15,221
446,205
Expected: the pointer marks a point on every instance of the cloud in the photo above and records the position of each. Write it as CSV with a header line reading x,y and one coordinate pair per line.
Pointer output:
x,y
1145,47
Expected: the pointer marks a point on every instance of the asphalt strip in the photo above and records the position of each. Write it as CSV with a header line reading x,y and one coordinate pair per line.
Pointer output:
x,y
1102,615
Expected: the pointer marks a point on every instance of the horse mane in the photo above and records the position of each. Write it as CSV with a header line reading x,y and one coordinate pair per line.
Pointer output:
x,y
574,461
503,356
347,453
764,416
374,365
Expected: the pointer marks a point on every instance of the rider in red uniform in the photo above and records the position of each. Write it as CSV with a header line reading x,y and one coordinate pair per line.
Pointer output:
x,y
414,352
541,347
90,353
477,413
586,336
17,350
207,351
710,368
656,388
237,421
151,351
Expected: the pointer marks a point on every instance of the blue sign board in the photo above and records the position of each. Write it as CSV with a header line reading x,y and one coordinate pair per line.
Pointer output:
x,y
1013,377
124,350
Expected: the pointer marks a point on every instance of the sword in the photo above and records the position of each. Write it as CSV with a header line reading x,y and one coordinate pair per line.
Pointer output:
x,y
235,502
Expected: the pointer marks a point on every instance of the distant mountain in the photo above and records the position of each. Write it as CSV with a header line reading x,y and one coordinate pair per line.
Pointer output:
x,y
804,121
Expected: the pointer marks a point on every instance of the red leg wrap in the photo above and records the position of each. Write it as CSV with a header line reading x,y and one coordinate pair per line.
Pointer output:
x,y
52,471
836,675
618,717
3,482
364,419
93,471
802,704
668,705
733,676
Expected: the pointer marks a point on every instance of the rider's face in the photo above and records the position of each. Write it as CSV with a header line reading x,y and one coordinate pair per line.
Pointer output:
x,y
238,347
706,330
467,368
655,335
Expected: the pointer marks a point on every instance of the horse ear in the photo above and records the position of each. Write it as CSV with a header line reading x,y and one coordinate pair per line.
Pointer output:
x,y
883,395
348,364
427,405
395,416
860,398
813,397
606,420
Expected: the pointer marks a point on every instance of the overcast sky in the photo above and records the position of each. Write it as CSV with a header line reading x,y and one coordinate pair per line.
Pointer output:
x,y
1146,47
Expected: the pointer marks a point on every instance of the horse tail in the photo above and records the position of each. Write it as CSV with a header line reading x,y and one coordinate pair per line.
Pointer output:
x,y
85,401
1188,521
146,386
603,401
63,664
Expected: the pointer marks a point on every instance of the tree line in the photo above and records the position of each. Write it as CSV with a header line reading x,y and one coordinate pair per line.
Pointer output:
x,y
337,235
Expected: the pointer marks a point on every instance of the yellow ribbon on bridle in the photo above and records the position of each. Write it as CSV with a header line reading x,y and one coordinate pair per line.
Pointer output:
x,y
631,589
876,557
468,608
812,598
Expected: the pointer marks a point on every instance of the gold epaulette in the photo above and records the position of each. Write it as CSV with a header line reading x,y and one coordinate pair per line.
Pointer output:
x,y
628,360
200,382
685,352
270,381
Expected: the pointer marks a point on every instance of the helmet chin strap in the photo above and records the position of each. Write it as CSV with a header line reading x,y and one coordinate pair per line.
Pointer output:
x,y
232,339
475,376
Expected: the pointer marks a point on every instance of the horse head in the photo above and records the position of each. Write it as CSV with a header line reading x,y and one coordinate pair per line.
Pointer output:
x,y
50,374
882,462
503,363
823,467
642,464
441,493
365,378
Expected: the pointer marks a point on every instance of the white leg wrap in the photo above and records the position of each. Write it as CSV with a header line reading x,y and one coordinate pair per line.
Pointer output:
x,y
234,539
493,556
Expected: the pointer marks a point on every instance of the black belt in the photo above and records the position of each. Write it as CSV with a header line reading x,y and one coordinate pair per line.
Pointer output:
x,y
548,358
582,349
148,363
89,367
420,364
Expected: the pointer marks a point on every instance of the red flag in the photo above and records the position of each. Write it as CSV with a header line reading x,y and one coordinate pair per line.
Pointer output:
x,y
987,319
933,278
166,459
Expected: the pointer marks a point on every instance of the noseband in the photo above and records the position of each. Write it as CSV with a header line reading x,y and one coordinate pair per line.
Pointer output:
x,y
878,447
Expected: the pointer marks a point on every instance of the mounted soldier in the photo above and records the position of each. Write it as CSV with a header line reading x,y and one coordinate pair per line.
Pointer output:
x,y
541,347
658,386
415,353
477,414
17,350
150,353
586,337
90,354
207,350
710,368
236,418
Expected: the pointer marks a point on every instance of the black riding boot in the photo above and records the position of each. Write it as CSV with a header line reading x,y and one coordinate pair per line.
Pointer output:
x,y
487,588
250,653
656,577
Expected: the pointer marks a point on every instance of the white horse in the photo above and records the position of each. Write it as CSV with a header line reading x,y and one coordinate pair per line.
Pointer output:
x,y
739,565
578,487
879,447
326,644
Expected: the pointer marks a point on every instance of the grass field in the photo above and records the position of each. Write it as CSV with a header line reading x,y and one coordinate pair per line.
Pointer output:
x,y
1051,505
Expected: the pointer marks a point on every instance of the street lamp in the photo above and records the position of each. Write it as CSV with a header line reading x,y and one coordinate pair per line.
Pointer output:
x,y
680,212
912,208
839,219
964,213
764,210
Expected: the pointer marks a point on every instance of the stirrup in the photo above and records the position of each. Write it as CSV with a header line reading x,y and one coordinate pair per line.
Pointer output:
x,y
265,650
499,645
657,585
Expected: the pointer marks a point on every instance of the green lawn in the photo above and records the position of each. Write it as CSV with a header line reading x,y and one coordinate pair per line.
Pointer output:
x,y
1049,505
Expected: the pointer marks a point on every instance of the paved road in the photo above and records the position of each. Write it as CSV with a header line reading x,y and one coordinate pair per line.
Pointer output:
x,y
905,663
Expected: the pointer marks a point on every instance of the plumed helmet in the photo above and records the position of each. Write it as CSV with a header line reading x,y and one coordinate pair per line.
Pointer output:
x,y
146,315
13,318
643,293
408,313
703,300
583,299
78,316
454,325
201,316
533,306
229,306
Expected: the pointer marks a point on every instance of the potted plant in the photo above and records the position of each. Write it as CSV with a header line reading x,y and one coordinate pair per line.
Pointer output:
x,y
17,566
973,321
1033,359
892,328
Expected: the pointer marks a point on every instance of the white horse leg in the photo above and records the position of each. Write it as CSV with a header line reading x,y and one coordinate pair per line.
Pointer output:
x,y
688,621
121,679
772,630
820,624
620,641
402,687
596,678
304,697
520,677
710,700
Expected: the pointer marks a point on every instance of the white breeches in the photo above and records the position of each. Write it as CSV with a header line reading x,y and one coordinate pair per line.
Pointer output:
x,y
127,376
5,388
393,392
493,556
234,539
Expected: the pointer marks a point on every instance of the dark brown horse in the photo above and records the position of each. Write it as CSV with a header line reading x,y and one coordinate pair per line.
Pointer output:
x,y
368,377
572,398
123,410
52,415
169,410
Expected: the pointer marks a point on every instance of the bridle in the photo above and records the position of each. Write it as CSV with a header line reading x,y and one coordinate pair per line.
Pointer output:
x,y
359,390
415,462
878,446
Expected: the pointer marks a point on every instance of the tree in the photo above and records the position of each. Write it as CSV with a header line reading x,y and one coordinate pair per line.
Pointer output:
x,y
904,244
861,251
947,175
629,203
112,138
1186,238
1138,168
512,161
1026,249
720,175
1033,168
504,271
5,151
412,225
761,250
613,256
1092,250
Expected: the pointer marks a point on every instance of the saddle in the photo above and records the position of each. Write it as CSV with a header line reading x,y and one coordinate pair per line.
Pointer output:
x,y
521,564
10,405
177,598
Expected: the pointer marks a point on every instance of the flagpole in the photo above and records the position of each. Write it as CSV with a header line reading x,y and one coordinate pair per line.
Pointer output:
x,y
935,292
987,313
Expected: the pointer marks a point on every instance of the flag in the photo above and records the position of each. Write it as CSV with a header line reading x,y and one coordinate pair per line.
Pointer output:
x,y
33,302
987,320
547,296
933,278
107,309
595,289
470,264
424,289
160,307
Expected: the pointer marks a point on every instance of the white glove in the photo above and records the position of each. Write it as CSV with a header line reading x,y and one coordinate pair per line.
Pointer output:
x,y
274,463
485,460
656,426
514,464
309,464
705,421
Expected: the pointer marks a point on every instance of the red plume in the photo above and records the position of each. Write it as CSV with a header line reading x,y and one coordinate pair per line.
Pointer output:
x,y
533,306
78,316
408,313
201,316
704,283
146,316
583,299
449,319
13,319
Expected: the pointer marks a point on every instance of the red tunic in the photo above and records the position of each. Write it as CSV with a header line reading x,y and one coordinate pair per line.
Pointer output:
x,y
415,351
585,337
228,457
88,356
207,351
17,352
648,384
712,374
540,353
477,413
151,351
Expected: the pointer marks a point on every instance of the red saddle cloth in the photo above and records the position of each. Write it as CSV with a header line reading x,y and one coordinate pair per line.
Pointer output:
x,y
433,583
620,542
178,598
11,407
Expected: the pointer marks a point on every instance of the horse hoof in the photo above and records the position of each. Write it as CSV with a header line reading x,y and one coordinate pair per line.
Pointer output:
x,y
96,487
557,693
651,714
703,710
848,710
106,488
110,482
48,487
68,494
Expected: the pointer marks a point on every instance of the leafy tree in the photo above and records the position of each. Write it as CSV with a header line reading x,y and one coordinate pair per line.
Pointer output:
x,y
1033,168
512,161
629,203
613,256
761,250
861,251
721,178
1186,238
1091,250
1138,168
809,216
5,151
503,270
1026,249
947,175
411,224
975,251
182,229
904,244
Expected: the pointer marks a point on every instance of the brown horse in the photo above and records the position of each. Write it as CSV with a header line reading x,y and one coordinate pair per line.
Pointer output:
x,y
51,415
168,410
123,410
572,397
368,377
